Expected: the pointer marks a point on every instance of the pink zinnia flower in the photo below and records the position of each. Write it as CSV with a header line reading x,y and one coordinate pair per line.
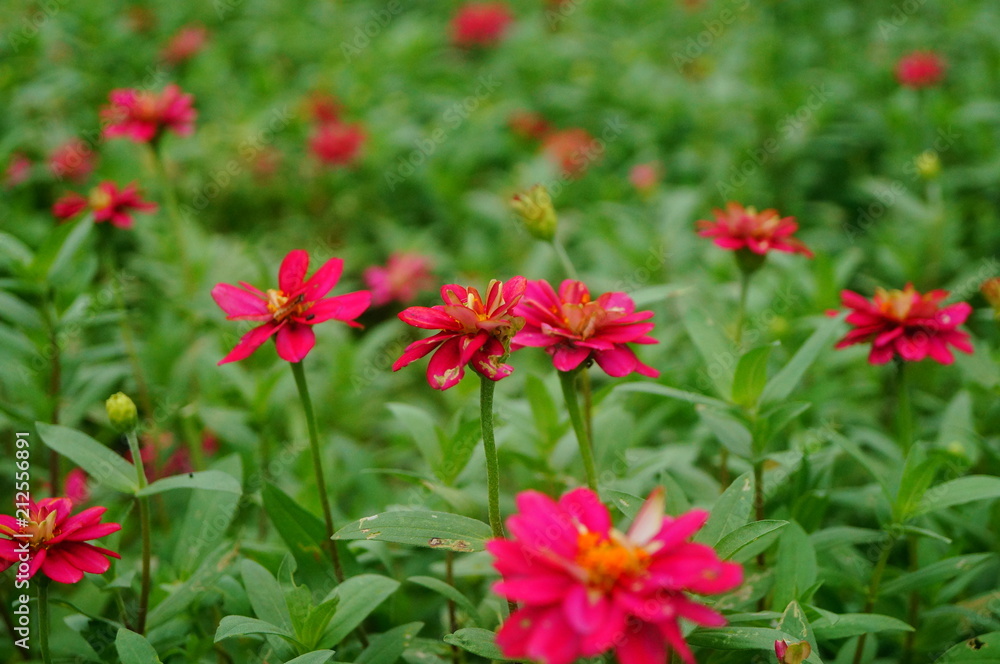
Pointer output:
x,y
144,116
404,275
473,332
18,170
529,125
57,542
574,329
572,150
739,228
288,312
107,202
906,324
73,160
480,24
77,489
920,69
323,107
584,587
184,45
337,143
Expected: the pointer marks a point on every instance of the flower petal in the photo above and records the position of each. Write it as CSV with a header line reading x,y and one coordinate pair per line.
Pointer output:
x,y
293,271
240,304
344,308
323,281
294,341
250,342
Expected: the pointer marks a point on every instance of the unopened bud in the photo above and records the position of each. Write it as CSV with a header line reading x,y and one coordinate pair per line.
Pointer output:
x,y
534,207
928,164
991,291
122,412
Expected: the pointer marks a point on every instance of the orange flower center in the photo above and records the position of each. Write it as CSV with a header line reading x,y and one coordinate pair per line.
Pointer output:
x,y
606,561
894,303
145,108
583,318
100,199
281,307
41,531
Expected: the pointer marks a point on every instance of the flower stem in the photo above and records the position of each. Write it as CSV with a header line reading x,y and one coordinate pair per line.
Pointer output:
x,y
883,560
43,620
331,546
486,388
568,381
741,311
147,548
904,407
567,264
173,212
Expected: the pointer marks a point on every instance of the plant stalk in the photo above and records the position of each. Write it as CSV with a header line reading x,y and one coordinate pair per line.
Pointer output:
x,y
568,381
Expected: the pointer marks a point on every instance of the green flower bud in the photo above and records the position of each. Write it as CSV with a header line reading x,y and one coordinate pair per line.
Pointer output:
x,y
534,207
928,164
122,412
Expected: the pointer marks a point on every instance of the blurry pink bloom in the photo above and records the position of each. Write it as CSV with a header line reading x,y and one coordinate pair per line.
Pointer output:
x,y
76,486
73,160
572,150
920,69
185,44
573,329
404,275
645,177
473,332
323,107
107,202
179,462
584,587
289,312
480,24
18,170
906,324
57,542
737,228
336,143
529,125
144,116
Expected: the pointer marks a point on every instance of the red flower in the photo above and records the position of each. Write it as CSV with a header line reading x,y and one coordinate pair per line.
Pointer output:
x,y
56,541
573,329
404,275
337,143
529,125
480,24
73,160
18,170
906,324
143,116
645,177
185,44
289,312
584,587
323,107
572,150
920,69
738,228
472,332
108,203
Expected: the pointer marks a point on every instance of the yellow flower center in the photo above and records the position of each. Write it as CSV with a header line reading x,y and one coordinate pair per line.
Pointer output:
x,y
606,561
41,531
281,306
99,199
894,303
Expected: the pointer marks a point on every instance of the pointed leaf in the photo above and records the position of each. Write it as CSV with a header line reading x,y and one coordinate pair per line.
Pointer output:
x,y
746,535
730,511
358,596
100,463
386,648
231,626
478,641
751,376
134,648
437,530
959,492
209,480
784,382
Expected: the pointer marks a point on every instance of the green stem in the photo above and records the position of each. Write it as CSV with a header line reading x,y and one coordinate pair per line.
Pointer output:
x,y
588,403
904,409
568,381
55,386
883,560
173,212
43,620
741,311
486,388
913,607
147,545
567,264
133,356
331,546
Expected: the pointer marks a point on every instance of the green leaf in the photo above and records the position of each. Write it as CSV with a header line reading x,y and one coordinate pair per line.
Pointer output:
x,y
387,647
983,649
794,621
795,571
456,451
626,502
134,648
958,492
918,474
746,535
847,625
672,393
543,410
301,531
359,596
957,423
101,464
934,573
206,520
450,592
732,433
314,657
421,427
209,480
437,530
313,628
784,382
713,346
478,641
730,511
265,595
204,578
737,638
231,626
751,376
55,256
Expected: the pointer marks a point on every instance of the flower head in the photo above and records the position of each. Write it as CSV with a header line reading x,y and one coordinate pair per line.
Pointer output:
x,y
143,116
404,275
991,291
322,107
584,587
289,311
574,329
794,653
122,413
107,202
73,160
480,24
337,143
645,177
572,150
529,125
184,45
56,541
18,170
738,228
534,207
920,69
474,331
77,489
906,324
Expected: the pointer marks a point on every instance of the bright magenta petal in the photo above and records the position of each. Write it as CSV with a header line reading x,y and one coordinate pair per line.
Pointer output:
x,y
294,342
